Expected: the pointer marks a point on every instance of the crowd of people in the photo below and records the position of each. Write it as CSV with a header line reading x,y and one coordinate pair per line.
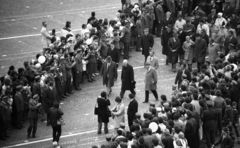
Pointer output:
x,y
205,100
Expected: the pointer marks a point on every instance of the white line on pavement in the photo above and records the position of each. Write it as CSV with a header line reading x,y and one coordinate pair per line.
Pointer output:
x,y
48,139
35,35
42,15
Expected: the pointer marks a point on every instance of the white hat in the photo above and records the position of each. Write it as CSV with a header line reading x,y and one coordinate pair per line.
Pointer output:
x,y
220,14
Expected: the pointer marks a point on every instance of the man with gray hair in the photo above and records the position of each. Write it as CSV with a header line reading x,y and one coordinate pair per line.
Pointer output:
x,y
127,78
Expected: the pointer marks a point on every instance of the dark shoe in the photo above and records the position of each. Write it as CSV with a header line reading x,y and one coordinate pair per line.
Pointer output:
x,y
33,136
93,80
90,81
99,133
105,132
145,102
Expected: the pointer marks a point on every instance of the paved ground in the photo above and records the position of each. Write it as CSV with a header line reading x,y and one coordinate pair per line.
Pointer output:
x,y
20,23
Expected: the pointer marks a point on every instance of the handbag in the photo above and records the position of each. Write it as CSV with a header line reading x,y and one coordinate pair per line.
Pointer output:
x,y
60,121
96,109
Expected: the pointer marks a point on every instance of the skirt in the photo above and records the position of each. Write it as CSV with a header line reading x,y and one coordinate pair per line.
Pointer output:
x,y
92,68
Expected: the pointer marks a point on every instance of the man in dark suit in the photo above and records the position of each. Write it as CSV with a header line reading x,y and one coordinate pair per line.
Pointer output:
x,y
132,109
180,73
228,10
109,74
127,78
147,43
209,118
230,40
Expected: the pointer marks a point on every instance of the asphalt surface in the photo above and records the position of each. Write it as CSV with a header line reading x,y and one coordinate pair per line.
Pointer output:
x,y
20,24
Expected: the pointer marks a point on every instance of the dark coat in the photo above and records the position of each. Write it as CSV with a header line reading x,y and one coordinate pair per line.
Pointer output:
x,y
164,41
18,102
132,109
48,98
114,53
146,43
33,109
211,18
228,115
209,118
228,11
206,38
229,41
103,109
178,79
54,115
127,77
168,141
182,38
109,74
200,50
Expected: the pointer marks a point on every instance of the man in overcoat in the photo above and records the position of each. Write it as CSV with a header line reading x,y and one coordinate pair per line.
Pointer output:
x,y
147,43
132,109
166,35
109,74
150,82
127,78
159,16
18,103
200,51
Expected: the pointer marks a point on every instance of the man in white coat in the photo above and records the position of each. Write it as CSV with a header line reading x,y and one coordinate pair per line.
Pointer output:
x,y
46,37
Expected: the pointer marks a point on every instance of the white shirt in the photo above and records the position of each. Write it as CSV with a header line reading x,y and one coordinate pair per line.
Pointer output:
x,y
179,24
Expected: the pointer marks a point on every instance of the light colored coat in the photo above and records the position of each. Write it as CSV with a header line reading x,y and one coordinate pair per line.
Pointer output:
x,y
153,61
45,37
119,114
151,79
213,52
188,51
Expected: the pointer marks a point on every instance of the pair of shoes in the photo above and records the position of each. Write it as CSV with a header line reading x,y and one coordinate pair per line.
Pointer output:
x,y
145,102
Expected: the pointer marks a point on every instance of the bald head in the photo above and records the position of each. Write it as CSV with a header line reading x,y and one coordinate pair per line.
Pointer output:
x,y
125,62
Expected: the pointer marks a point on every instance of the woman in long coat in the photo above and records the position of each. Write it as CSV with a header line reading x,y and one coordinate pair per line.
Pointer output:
x,y
188,52
103,115
173,45
118,113
166,35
